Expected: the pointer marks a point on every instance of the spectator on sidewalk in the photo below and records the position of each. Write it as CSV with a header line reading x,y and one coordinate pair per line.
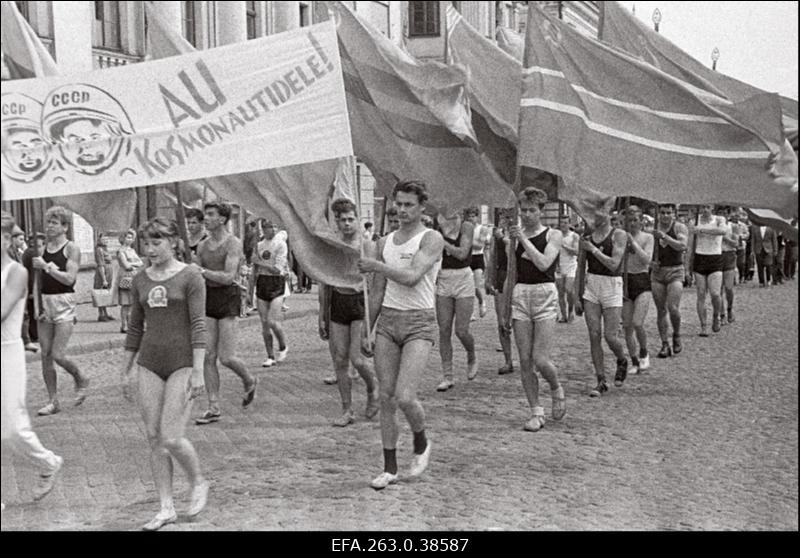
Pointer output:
x,y
780,255
129,265
790,263
35,248
765,246
102,273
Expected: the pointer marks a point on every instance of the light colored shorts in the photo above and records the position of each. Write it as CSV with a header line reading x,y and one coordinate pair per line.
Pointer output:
x,y
402,326
604,290
667,274
58,308
455,283
534,303
569,272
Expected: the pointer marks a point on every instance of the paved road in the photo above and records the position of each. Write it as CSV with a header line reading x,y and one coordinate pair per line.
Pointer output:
x,y
707,440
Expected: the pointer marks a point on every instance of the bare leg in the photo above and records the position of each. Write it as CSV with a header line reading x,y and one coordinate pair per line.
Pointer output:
x,y
593,315
640,308
273,320
611,320
662,315
502,332
46,334
562,296
715,290
387,367
569,286
445,312
339,344
210,370
266,332
413,360
226,345
702,288
362,365
543,338
523,336
61,336
480,291
174,415
674,295
151,401
463,311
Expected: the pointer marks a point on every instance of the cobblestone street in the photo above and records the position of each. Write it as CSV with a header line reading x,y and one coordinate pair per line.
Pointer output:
x,y
705,440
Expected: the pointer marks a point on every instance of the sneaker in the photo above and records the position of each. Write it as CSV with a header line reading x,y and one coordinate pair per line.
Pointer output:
x,y
472,370
634,368
622,372
599,389
506,369
420,462
50,409
32,347
208,417
373,404
280,356
537,420
677,346
703,331
47,481
731,319
644,363
344,420
383,480
665,351
330,380
199,498
715,324
250,394
268,363
80,392
164,517
444,385
482,311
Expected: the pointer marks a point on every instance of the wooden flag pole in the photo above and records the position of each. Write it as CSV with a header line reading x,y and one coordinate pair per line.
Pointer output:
x,y
364,283
627,248
180,216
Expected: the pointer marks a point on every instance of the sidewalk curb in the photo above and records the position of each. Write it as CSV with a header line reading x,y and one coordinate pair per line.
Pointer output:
x,y
105,345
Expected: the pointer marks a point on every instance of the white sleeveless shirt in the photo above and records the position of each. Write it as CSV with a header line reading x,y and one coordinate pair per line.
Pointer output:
x,y
399,297
11,331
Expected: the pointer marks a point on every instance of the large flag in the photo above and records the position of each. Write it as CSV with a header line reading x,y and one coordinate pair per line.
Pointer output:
x,y
26,57
494,94
297,196
602,118
624,31
411,119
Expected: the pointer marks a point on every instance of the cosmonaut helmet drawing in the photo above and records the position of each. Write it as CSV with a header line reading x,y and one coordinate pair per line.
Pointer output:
x,y
27,155
88,125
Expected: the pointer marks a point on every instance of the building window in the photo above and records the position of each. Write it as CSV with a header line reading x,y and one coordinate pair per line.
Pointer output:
x,y
106,28
251,20
423,19
189,23
305,20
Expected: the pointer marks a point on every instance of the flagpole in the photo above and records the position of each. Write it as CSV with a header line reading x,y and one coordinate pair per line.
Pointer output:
x,y
180,216
364,284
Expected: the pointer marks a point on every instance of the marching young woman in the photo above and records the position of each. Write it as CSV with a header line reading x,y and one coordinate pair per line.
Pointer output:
x,y
169,299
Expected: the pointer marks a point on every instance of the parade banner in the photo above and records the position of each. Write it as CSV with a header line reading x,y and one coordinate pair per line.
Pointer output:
x,y
259,104
26,57
600,117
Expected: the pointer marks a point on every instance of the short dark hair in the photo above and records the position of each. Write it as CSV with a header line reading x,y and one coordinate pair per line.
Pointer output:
x,y
633,209
343,205
38,236
534,196
471,211
672,206
159,228
223,209
368,225
194,213
416,187
391,212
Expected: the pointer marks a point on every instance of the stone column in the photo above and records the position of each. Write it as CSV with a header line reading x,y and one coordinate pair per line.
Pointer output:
x,y
287,16
72,34
232,22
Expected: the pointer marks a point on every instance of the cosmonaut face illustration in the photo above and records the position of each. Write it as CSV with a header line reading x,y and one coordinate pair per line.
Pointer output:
x,y
26,153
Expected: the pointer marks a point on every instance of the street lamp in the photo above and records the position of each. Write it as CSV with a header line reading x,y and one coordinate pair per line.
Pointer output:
x,y
656,18
714,58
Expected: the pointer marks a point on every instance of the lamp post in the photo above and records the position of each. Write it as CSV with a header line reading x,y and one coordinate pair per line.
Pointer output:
x,y
714,58
656,18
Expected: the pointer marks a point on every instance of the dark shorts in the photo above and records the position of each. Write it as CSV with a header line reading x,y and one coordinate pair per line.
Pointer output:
x,y
638,283
729,261
222,302
270,287
477,262
346,308
667,274
706,264
402,326
741,256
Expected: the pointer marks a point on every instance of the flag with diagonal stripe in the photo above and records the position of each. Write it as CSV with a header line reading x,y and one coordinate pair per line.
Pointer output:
x,y
596,115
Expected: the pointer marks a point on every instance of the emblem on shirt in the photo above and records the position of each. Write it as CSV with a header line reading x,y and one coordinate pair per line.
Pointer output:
x,y
157,297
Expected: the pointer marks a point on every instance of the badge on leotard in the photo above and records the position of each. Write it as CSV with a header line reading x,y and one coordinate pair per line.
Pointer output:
x,y
157,297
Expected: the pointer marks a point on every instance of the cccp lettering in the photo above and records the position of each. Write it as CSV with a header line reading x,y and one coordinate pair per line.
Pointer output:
x,y
70,97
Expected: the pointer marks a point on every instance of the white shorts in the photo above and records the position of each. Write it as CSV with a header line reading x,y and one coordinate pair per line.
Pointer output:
x,y
604,290
567,271
58,308
534,303
455,283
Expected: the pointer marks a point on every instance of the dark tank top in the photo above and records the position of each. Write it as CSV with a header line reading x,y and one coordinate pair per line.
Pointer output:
x,y
667,256
49,284
527,272
451,262
606,246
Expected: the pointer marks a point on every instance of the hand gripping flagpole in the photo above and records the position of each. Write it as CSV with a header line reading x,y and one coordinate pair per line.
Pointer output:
x,y
364,283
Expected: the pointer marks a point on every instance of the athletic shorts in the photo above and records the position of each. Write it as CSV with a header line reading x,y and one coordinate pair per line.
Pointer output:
x,y
455,283
346,308
706,264
270,287
741,256
402,326
477,262
638,283
534,303
667,274
729,261
223,302
568,270
58,308
605,290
